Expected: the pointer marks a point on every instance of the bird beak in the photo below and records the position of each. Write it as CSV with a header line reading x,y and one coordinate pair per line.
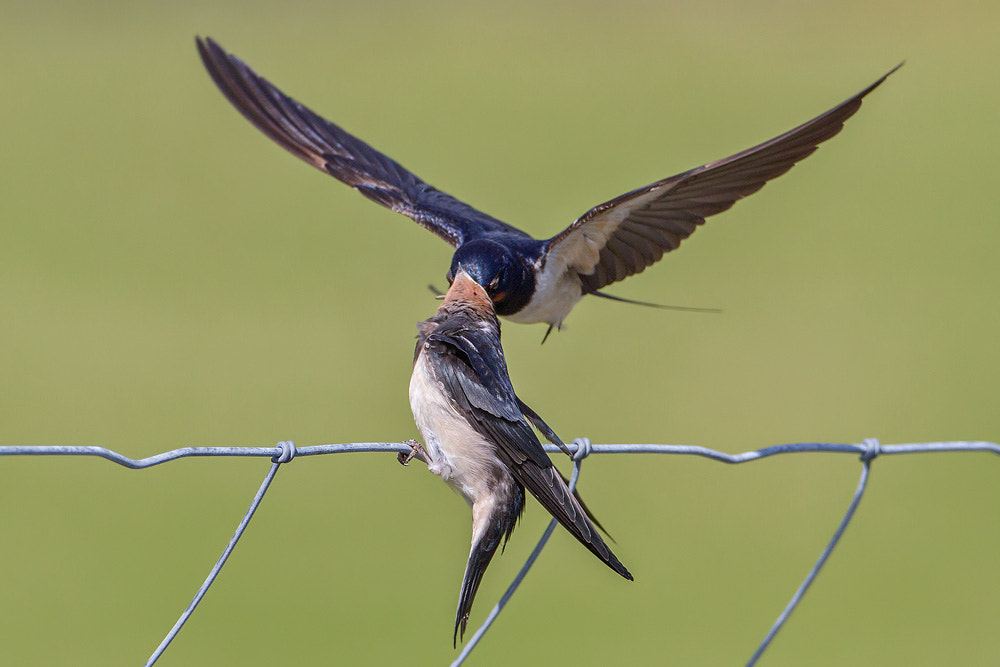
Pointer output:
x,y
464,288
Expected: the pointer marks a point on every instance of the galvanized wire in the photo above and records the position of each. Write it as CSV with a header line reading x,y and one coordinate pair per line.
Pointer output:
x,y
403,448
287,454
284,452
872,449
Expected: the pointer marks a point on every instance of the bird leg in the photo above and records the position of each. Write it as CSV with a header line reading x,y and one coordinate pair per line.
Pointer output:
x,y
416,451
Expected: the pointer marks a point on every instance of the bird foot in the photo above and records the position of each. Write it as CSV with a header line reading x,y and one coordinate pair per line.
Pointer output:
x,y
416,451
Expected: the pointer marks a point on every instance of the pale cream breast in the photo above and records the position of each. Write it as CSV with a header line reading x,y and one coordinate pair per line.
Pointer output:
x,y
459,454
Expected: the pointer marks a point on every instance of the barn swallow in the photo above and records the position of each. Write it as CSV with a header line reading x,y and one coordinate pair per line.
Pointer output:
x,y
529,280
477,436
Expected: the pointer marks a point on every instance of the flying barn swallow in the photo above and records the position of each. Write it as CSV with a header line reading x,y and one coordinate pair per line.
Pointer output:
x,y
529,280
477,435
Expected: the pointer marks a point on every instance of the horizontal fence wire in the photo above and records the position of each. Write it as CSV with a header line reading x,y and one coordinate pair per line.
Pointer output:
x,y
404,448
286,451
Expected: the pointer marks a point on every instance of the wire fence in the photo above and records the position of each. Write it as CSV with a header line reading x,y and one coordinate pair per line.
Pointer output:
x,y
284,452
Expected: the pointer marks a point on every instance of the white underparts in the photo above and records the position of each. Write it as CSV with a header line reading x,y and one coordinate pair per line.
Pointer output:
x,y
556,292
459,454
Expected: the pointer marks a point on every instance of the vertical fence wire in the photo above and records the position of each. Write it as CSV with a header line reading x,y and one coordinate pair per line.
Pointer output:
x,y
287,453
866,462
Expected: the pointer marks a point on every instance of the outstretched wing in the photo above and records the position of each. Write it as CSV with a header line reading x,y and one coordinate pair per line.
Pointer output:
x,y
329,148
479,382
623,236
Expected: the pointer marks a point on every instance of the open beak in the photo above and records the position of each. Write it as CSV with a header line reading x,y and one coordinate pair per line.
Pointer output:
x,y
464,288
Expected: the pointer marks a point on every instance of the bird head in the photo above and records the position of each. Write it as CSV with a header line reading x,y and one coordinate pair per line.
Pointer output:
x,y
506,278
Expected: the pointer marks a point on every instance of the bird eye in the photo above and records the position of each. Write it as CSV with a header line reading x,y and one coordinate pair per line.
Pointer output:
x,y
493,283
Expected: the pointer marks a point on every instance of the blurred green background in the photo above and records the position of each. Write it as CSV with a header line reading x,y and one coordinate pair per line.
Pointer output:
x,y
171,278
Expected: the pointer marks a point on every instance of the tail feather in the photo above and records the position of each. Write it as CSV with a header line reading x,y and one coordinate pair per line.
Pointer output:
x,y
479,559
496,531
647,304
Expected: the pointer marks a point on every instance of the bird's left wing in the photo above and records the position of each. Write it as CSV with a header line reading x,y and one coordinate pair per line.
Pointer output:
x,y
329,148
623,236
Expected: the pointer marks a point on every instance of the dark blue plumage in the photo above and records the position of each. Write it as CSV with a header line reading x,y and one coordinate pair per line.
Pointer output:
x,y
530,280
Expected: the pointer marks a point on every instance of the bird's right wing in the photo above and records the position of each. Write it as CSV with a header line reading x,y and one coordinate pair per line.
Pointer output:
x,y
329,148
477,380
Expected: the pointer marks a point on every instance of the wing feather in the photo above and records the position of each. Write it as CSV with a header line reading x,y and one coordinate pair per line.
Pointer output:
x,y
476,378
611,241
329,148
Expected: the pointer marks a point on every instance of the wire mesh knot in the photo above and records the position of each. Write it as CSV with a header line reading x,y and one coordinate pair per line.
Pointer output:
x,y
583,449
872,449
286,452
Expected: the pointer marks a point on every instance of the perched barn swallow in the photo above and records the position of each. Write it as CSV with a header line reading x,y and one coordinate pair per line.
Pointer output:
x,y
529,280
477,437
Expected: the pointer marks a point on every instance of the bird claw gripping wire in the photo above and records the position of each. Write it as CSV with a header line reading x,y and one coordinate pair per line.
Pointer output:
x,y
416,451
